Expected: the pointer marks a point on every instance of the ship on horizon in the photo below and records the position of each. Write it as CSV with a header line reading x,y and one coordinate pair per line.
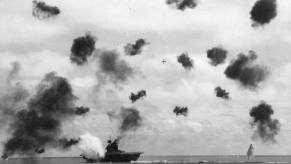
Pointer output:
x,y
113,154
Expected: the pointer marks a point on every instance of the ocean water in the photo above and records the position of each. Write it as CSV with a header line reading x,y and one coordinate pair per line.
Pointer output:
x,y
160,160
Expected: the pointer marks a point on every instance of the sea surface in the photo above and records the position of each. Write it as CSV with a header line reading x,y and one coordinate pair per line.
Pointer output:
x,y
160,160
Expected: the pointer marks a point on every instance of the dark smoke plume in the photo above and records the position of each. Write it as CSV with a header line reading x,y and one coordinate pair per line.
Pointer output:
x,y
130,119
217,55
263,12
113,68
65,143
42,11
4,156
82,48
182,4
178,110
266,128
39,125
221,93
12,101
81,110
185,60
136,48
39,150
133,97
245,71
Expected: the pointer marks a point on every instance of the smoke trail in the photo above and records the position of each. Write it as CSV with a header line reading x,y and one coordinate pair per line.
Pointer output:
x,y
112,67
91,147
266,128
42,11
182,4
217,55
133,97
13,97
82,48
185,60
14,72
81,110
130,119
221,93
244,70
178,110
263,12
39,125
136,48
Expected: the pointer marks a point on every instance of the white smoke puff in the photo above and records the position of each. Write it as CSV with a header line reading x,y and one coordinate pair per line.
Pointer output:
x,y
91,146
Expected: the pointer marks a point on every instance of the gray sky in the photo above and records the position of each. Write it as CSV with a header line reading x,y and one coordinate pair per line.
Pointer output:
x,y
213,126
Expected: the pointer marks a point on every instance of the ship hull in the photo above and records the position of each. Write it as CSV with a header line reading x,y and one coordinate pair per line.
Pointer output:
x,y
116,157
121,157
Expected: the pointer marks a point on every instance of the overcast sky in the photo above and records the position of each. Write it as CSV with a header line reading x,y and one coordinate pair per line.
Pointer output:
x,y
213,126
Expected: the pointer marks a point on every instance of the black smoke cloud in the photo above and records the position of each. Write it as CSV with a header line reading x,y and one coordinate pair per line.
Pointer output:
x,y
42,11
185,60
182,4
136,48
221,93
81,110
265,127
130,119
133,97
217,55
39,150
39,125
245,71
65,143
178,110
263,12
82,48
112,67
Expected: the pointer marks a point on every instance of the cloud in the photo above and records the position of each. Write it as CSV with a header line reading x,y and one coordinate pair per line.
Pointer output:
x,y
13,100
39,125
112,67
82,48
266,128
178,110
217,55
263,12
133,97
91,146
130,119
81,110
185,60
136,48
14,95
43,11
14,72
221,93
245,71
182,4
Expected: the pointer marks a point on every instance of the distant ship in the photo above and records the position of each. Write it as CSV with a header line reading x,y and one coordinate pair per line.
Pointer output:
x,y
250,151
113,154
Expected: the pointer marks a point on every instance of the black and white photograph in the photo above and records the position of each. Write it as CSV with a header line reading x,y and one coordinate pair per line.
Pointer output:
x,y
145,81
